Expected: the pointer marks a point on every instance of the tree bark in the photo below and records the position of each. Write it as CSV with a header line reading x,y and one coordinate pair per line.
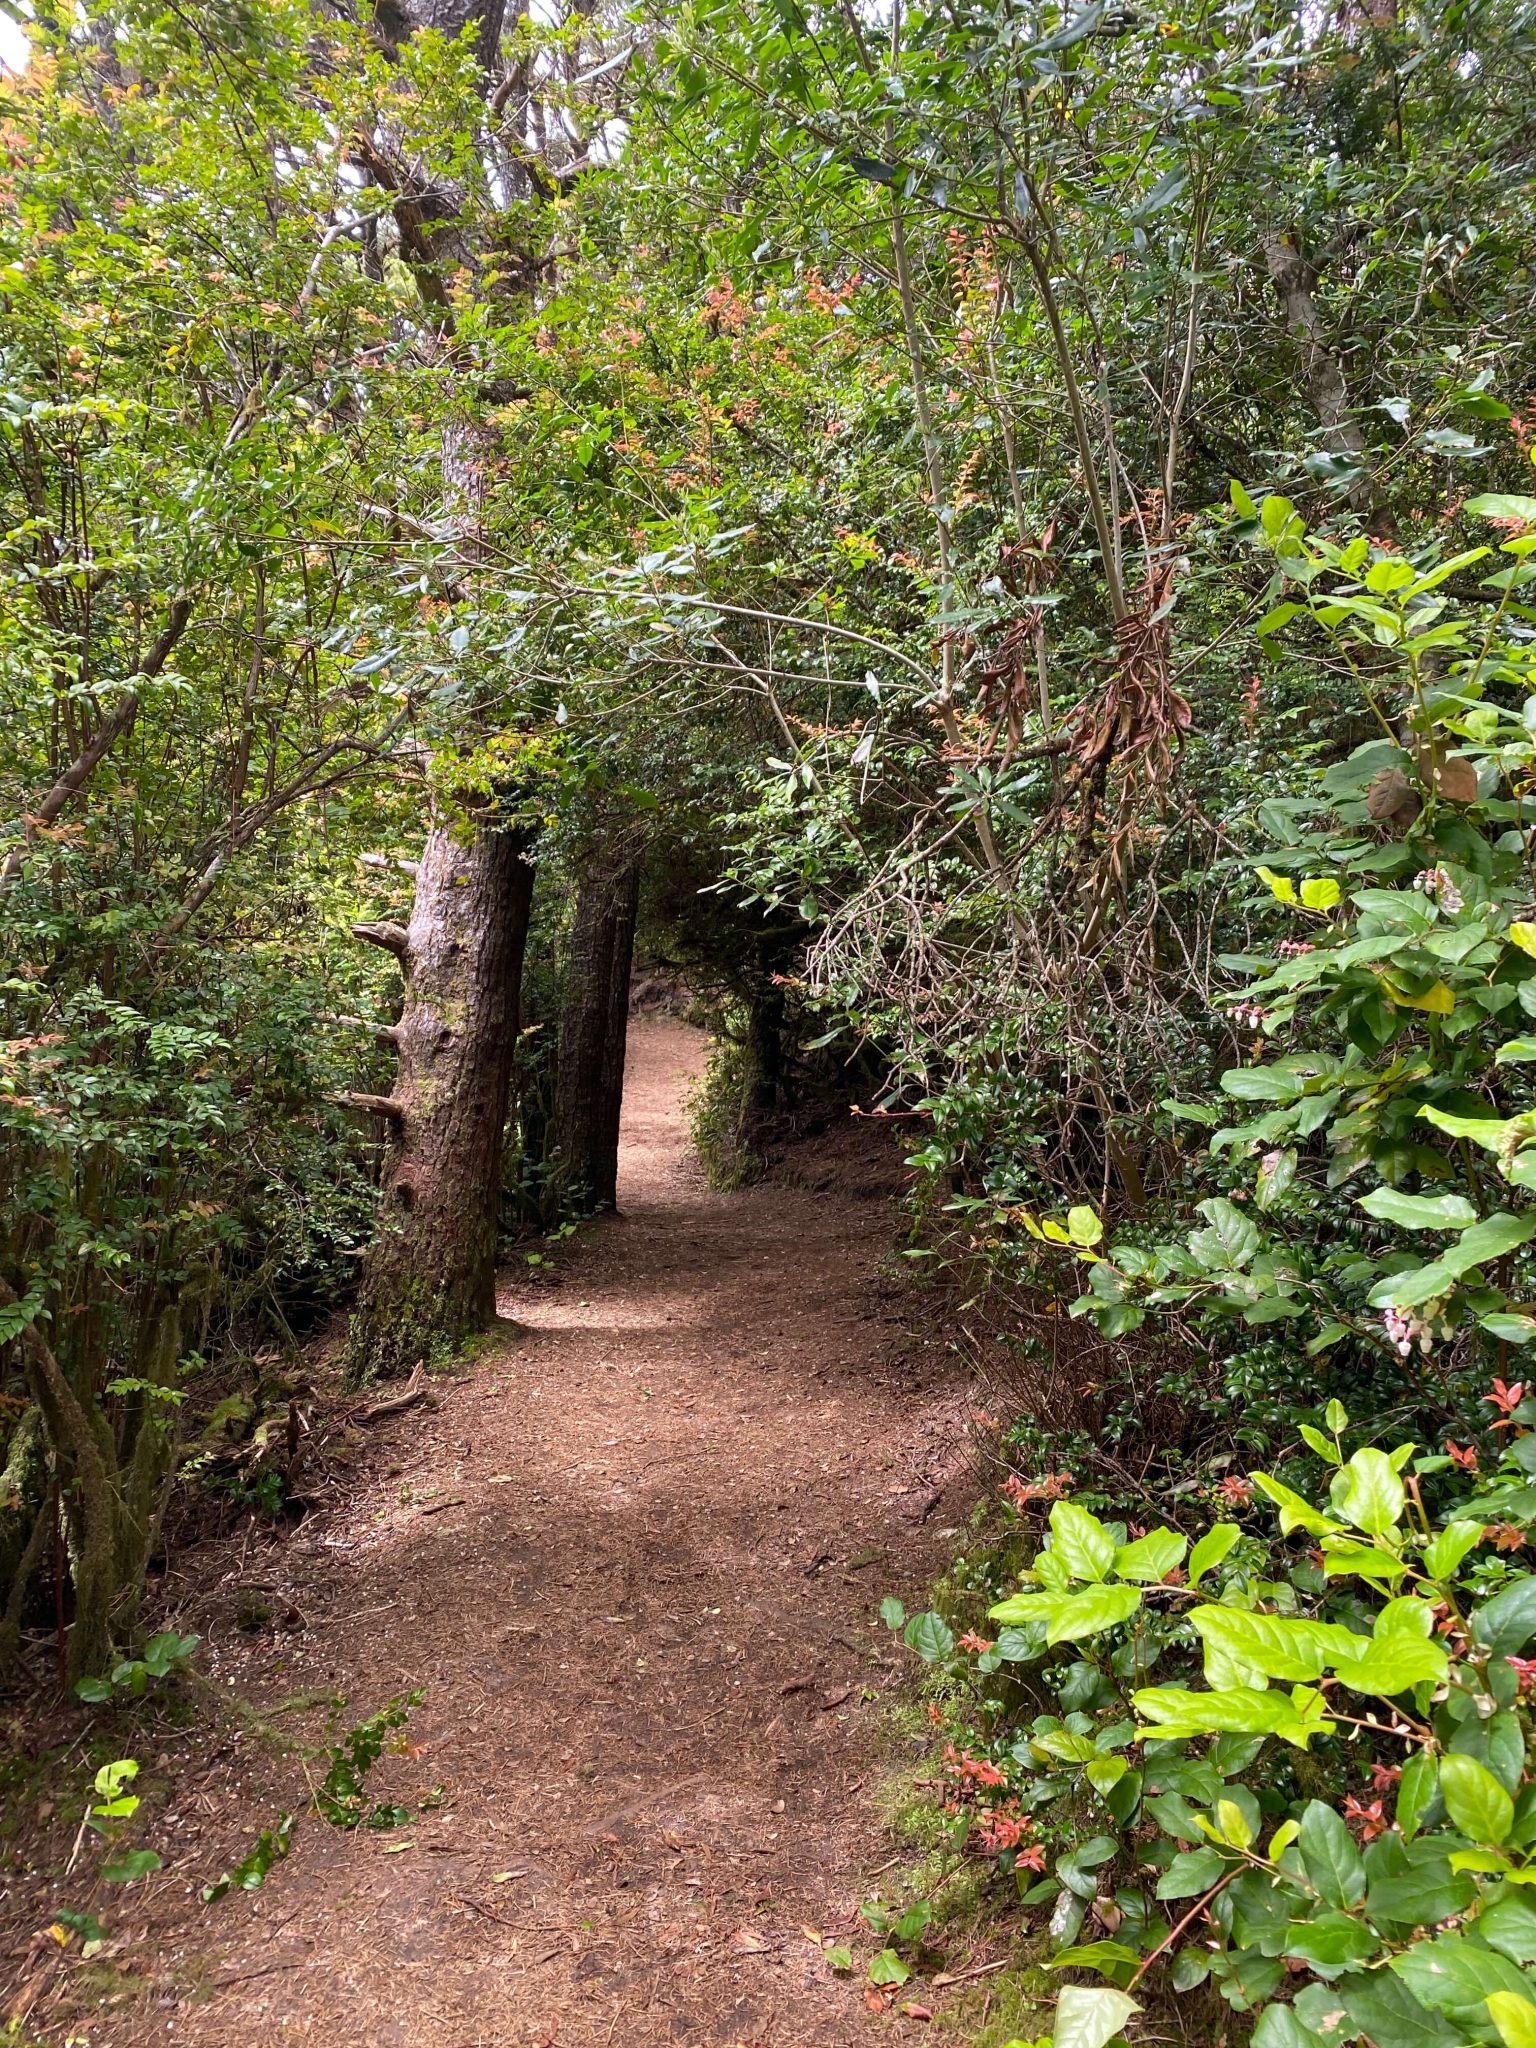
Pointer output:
x,y
430,1277
594,1025
1295,282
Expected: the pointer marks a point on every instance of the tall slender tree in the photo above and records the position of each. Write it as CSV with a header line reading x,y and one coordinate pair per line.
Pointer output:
x,y
594,1021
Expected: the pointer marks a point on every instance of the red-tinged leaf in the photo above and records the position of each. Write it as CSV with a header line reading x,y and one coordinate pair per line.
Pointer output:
x,y
914,2011
873,2000
746,1943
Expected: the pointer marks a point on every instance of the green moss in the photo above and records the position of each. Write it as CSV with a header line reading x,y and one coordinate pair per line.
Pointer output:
x,y
1015,2005
420,1323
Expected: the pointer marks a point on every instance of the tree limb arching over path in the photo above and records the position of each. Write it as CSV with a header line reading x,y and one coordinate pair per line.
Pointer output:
x,y
635,1559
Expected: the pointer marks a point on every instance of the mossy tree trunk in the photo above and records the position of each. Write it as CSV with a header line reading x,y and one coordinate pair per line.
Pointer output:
x,y
430,1277
594,1028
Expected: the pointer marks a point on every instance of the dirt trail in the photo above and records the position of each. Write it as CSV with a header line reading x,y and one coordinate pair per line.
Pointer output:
x,y
634,1558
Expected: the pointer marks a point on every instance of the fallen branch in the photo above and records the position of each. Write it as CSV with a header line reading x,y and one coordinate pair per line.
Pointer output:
x,y
964,1976
415,1390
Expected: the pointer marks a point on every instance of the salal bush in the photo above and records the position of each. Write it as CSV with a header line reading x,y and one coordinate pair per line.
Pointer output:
x,y
1374,1153
1287,1760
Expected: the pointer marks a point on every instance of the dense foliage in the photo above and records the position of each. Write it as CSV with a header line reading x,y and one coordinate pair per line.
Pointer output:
x,y
1334,1829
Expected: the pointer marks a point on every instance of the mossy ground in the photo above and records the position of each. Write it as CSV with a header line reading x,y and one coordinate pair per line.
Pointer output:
x,y
972,1902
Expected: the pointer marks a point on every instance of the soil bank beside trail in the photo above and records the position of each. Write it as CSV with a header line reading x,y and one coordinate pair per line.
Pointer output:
x,y
634,1558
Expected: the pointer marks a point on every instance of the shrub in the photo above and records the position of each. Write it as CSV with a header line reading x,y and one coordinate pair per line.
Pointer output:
x,y
1291,1763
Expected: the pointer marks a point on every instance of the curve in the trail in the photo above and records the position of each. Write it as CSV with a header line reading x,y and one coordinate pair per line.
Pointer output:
x,y
634,1559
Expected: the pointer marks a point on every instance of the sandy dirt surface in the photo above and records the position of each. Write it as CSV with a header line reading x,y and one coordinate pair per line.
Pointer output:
x,y
634,1558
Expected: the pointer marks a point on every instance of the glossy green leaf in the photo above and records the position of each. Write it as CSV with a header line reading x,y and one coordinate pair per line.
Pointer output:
x,y
1381,2006
1330,1857
1368,1492
1081,1541
1419,1212
1090,2017
1475,1800
1211,1549
1150,1557
1515,2018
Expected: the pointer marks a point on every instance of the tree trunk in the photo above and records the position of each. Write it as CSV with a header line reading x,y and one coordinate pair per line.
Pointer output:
x,y
1295,282
430,1277
589,1083
765,1097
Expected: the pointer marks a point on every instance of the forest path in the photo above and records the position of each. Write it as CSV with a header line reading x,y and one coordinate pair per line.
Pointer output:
x,y
635,1559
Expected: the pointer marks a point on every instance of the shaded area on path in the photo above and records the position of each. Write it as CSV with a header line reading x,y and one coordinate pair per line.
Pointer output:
x,y
634,1558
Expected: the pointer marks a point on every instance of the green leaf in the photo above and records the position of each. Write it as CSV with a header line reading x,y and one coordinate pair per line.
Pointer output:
x,y
1501,505
888,1968
1509,1925
1507,1622
1383,2007
1475,1800
1105,1773
1275,514
1232,1824
1092,1611
1446,1551
1213,1546
1191,1967
1419,1212
272,1845
931,1636
1111,1959
1083,1226
1090,2017
1416,1788
1329,1856
1062,1744
1394,1664
913,1921
128,1864
1330,1942
1279,2027
1279,615
1489,1240
1369,1493
1231,1239
1242,503
1192,1872
1344,1558
1324,1446
1420,1894
1243,1648
1320,892
1409,1289
1235,1710
1151,1557
1081,1541
1295,1513
1457,1977
1510,1328
892,1613
1515,2018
